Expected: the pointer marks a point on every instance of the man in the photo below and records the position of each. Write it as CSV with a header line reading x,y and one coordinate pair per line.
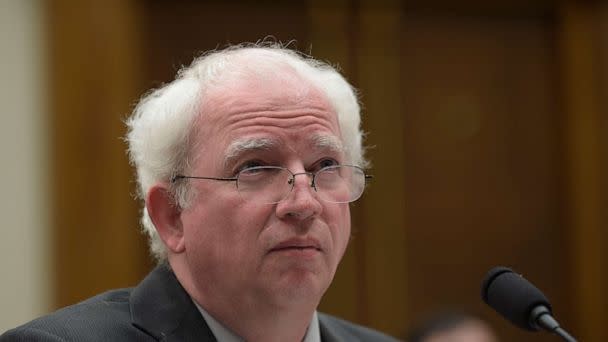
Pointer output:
x,y
247,163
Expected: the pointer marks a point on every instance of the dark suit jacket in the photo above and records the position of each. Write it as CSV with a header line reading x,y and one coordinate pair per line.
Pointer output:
x,y
158,309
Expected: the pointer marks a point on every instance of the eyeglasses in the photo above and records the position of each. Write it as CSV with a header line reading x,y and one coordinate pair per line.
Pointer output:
x,y
272,184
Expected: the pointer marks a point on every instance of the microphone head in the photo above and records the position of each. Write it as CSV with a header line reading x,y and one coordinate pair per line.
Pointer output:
x,y
512,296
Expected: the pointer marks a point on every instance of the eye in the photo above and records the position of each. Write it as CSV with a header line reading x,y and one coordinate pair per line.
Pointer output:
x,y
327,162
261,175
250,164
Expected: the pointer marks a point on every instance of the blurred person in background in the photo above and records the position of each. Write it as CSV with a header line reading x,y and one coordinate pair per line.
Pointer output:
x,y
246,164
453,327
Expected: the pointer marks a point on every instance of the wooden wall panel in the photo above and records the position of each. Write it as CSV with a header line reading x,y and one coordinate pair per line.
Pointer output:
x,y
582,51
93,81
482,162
379,62
177,31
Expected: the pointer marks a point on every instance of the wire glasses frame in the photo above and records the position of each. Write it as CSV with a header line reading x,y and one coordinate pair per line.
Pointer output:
x,y
273,184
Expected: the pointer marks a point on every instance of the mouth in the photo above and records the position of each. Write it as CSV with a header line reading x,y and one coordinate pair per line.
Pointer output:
x,y
307,246
295,248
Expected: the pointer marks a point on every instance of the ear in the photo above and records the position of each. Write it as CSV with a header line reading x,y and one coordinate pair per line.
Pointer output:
x,y
165,215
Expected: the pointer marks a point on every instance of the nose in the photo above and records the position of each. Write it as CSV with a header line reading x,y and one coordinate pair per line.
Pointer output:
x,y
302,203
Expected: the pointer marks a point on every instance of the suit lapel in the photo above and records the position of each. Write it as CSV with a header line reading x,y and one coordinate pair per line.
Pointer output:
x,y
331,332
162,308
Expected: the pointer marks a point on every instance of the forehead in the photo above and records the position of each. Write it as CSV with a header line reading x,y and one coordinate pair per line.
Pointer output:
x,y
283,107
281,89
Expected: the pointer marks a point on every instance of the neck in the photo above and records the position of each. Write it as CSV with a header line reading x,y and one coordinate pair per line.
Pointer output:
x,y
264,327
255,318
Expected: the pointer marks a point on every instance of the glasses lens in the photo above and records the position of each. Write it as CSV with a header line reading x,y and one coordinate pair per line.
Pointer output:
x,y
340,183
264,184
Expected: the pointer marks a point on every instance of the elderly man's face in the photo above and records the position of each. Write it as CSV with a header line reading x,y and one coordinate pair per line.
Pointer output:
x,y
241,252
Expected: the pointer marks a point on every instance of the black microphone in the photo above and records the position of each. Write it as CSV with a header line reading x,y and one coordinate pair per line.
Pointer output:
x,y
520,302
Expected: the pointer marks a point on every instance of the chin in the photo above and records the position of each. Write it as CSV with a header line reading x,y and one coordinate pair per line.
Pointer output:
x,y
300,286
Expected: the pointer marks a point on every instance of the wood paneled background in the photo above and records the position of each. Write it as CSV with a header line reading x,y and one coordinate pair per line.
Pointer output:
x,y
486,123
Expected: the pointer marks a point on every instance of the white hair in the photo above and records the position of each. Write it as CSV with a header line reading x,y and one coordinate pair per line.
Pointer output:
x,y
161,129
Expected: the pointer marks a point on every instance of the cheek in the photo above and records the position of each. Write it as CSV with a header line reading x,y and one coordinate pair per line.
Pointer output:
x,y
223,226
341,229
346,230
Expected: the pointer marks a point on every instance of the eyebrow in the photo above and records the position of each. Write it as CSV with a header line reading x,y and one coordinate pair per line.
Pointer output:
x,y
329,142
243,146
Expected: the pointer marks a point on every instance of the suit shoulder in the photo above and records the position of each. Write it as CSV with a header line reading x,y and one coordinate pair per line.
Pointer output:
x,y
112,306
349,331
97,318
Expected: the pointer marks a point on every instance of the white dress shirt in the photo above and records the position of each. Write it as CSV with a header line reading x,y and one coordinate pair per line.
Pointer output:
x,y
223,334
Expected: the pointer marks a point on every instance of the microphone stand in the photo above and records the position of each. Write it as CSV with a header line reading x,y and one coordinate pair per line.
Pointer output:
x,y
541,318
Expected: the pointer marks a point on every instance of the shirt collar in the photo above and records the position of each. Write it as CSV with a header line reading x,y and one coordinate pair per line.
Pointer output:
x,y
223,334
313,333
